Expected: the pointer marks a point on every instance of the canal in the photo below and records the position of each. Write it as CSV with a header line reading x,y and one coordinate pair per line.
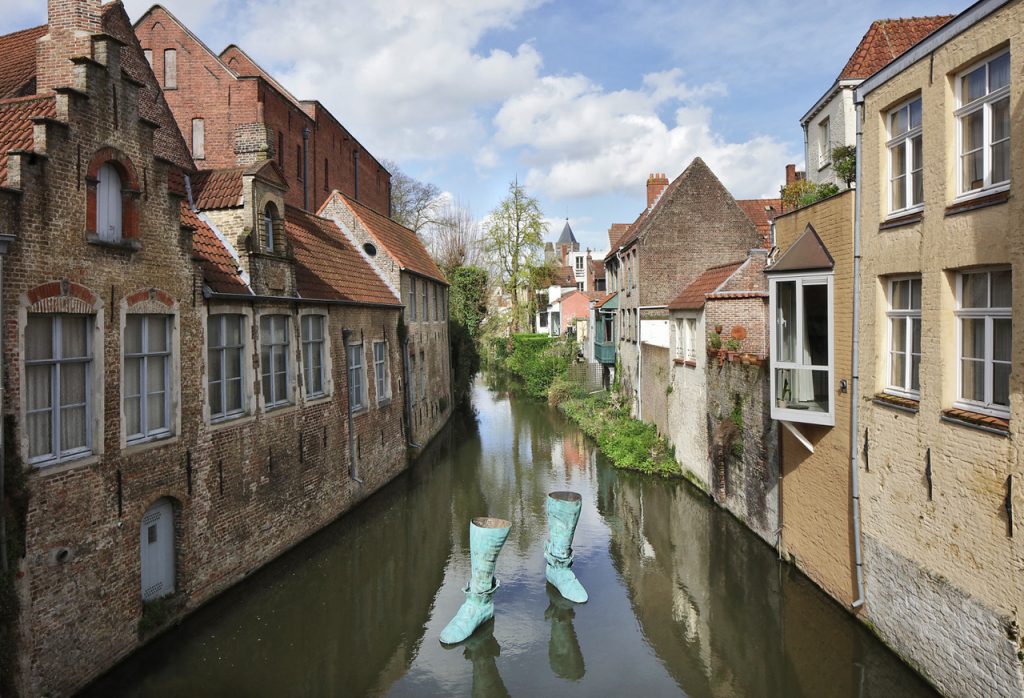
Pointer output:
x,y
683,599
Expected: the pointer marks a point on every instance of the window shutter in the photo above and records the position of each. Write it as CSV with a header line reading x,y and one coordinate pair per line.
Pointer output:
x,y
170,69
198,139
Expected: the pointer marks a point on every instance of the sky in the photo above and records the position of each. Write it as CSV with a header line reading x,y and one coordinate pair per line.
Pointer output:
x,y
578,101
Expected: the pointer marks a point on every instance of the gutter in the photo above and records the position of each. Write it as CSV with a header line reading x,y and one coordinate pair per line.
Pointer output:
x,y
855,360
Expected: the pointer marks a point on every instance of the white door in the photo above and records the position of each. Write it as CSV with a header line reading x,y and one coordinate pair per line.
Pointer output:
x,y
157,550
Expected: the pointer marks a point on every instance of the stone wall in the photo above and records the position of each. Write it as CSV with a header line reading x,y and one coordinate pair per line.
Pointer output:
x,y
654,391
743,452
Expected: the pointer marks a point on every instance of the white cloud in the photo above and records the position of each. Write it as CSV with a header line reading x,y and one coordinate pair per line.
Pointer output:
x,y
582,140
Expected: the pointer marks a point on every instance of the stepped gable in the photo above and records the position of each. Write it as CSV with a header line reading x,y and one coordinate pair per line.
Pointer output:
x,y
18,62
220,268
328,266
885,41
692,297
400,242
16,131
168,143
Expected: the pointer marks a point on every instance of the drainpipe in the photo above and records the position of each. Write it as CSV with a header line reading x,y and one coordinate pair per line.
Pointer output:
x,y
305,168
854,451
352,471
5,240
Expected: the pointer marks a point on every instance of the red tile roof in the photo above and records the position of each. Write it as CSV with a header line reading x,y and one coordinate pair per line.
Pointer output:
x,y
327,265
591,295
596,267
615,233
18,61
400,242
220,268
886,40
602,301
692,297
216,189
758,213
15,127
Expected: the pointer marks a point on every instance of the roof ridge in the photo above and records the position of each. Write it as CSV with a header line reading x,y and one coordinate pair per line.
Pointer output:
x,y
24,31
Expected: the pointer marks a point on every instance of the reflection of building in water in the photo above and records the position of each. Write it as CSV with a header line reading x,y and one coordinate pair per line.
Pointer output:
x,y
574,450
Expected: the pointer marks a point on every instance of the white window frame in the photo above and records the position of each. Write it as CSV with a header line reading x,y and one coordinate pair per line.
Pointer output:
x,y
690,338
985,105
55,361
222,350
144,357
786,414
824,143
268,226
909,315
313,347
988,315
357,400
268,390
381,371
907,140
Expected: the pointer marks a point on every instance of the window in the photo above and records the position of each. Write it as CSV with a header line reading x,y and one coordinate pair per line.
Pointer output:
x,y
148,53
225,349
437,306
412,298
579,263
983,95
274,359
824,143
108,204
356,378
58,368
170,69
412,379
906,157
690,339
543,315
423,376
198,139
380,371
904,337
298,162
370,249
424,308
326,176
983,315
579,285
269,214
801,348
147,380
313,354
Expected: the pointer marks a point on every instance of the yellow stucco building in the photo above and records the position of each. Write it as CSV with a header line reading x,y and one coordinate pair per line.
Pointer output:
x,y
941,338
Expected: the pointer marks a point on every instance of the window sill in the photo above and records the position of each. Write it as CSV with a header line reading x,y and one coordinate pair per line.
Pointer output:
x,y
825,166
975,420
279,408
384,402
360,412
47,468
974,201
133,447
685,362
230,421
897,402
126,244
904,218
317,399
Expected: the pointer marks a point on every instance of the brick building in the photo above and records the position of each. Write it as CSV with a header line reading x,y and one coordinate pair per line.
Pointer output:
x,y
233,113
689,225
197,373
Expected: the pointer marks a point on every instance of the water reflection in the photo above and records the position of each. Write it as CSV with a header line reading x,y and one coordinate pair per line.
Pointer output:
x,y
683,599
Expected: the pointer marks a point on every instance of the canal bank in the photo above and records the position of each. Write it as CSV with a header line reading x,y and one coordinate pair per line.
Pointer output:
x,y
684,600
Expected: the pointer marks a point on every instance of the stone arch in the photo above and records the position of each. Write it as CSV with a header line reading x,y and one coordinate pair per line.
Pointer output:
x,y
130,192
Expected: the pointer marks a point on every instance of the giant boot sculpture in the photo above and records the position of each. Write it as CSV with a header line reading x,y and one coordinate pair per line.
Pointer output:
x,y
486,536
563,515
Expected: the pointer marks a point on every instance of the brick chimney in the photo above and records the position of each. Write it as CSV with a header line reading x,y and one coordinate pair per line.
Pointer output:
x,y
792,175
656,184
71,23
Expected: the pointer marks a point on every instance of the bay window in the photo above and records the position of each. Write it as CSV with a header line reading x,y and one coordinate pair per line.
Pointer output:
x,y
906,157
225,353
274,359
984,329
802,348
58,371
147,380
312,329
983,119
904,353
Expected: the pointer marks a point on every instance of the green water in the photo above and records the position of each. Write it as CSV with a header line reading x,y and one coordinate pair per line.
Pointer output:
x,y
683,599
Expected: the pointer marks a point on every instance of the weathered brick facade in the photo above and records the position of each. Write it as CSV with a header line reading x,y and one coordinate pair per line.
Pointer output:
x,y
243,488
249,117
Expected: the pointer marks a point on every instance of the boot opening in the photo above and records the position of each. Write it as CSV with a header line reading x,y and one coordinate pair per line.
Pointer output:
x,y
489,522
566,496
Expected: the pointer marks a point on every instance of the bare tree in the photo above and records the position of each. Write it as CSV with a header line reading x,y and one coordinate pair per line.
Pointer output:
x,y
413,202
453,235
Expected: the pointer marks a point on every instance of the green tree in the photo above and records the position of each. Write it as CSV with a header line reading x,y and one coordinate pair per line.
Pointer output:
x,y
844,162
467,306
512,242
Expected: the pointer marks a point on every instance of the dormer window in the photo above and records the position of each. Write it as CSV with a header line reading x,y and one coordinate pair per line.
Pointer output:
x,y
108,204
269,216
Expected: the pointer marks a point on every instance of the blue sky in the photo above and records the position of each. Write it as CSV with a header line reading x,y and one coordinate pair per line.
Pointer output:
x,y
579,100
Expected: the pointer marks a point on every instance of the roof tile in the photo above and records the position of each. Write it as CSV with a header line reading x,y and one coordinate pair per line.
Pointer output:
x,y
220,269
692,297
885,41
217,189
18,61
16,128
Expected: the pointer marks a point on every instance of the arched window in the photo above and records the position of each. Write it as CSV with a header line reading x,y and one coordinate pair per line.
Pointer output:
x,y
156,541
108,204
269,214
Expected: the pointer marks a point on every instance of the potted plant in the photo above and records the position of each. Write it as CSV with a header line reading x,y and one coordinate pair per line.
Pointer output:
x,y
732,347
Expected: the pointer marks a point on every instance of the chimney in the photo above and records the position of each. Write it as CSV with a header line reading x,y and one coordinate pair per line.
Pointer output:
x,y
790,174
656,184
71,24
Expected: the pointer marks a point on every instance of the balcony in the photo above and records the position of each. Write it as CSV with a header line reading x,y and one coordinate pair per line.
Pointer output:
x,y
604,352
